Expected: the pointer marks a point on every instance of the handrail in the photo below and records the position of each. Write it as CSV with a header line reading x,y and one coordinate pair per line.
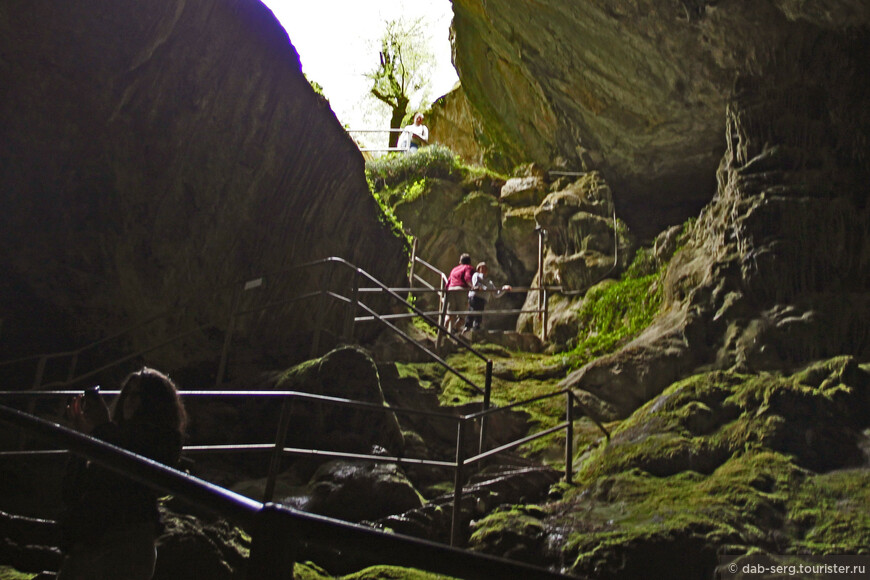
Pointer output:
x,y
279,449
236,507
388,149
277,529
246,282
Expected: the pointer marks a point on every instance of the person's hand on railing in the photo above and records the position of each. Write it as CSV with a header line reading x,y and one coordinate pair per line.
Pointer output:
x,y
87,412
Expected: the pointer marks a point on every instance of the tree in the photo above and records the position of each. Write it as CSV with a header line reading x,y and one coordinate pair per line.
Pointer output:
x,y
404,73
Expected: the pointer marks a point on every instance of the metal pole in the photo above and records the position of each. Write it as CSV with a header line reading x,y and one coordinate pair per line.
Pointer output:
x,y
487,393
456,521
413,263
321,314
73,363
546,316
228,337
278,452
443,316
31,406
569,439
272,547
541,232
351,309
40,371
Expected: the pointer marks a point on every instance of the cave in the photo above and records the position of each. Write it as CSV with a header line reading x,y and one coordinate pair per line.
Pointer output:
x,y
171,157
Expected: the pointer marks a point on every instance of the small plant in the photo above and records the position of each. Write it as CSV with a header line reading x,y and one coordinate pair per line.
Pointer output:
x,y
435,161
416,190
389,219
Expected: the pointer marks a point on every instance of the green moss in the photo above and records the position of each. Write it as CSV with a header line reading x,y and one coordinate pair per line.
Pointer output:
x,y
828,514
427,375
393,573
612,313
520,520
311,571
710,462
388,217
10,573
416,190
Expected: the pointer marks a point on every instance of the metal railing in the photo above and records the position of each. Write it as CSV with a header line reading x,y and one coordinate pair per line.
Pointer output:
x,y
387,149
352,304
280,533
543,291
278,450
69,360
324,294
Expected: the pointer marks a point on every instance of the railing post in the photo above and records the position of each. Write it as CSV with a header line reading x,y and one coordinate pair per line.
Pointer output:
x,y
487,395
321,313
278,452
73,363
442,318
351,309
40,371
569,439
31,406
458,478
546,317
541,235
231,328
272,551
413,263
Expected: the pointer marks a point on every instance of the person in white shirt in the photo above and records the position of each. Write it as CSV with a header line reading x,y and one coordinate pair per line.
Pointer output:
x,y
480,287
415,135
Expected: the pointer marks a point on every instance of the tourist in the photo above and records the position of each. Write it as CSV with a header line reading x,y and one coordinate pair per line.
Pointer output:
x,y
111,523
480,287
415,135
458,284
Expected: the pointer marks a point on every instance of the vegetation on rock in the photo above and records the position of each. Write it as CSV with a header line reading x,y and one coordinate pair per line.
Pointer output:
x,y
389,171
718,463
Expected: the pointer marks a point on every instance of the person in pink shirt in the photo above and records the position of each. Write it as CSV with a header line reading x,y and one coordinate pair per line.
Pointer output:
x,y
458,285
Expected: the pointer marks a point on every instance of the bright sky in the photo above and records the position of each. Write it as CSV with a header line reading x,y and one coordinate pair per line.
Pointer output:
x,y
336,42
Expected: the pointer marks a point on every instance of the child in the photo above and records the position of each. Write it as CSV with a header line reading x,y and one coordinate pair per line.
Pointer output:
x,y
480,286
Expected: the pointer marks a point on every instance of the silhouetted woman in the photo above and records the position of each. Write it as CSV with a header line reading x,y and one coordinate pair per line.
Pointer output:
x,y
111,523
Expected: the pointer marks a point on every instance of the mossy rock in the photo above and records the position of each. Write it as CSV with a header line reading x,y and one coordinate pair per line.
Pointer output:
x,y
718,463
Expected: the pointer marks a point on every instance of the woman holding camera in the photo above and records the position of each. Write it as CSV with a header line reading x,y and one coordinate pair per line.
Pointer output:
x,y
111,523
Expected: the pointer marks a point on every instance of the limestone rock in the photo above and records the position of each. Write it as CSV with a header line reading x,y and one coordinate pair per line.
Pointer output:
x,y
155,152
635,89
523,191
345,373
765,282
519,240
452,122
348,373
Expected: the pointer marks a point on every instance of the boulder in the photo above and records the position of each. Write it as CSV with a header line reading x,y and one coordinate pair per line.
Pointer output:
x,y
347,373
191,547
355,491
523,191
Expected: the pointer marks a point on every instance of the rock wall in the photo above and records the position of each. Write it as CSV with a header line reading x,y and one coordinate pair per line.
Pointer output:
x,y
153,152
452,122
634,88
775,273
